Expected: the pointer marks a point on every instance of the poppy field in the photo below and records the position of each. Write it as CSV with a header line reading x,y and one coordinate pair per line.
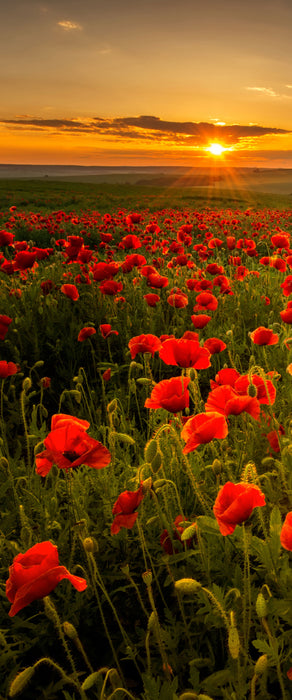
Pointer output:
x,y
145,451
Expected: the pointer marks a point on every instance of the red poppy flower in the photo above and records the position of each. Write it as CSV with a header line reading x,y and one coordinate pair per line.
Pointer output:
x,y
205,301
156,281
125,509
286,315
104,271
4,325
201,320
286,532
47,286
202,428
7,369
144,343
45,382
184,353
214,345
151,299
225,400
287,286
24,259
171,394
214,269
71,291
234,505
264,336
168,543
130,241
280,240
68,446
178,300
189,335
227,375
111,287
273,438
85,332
106,330
6,237
35,574
107,375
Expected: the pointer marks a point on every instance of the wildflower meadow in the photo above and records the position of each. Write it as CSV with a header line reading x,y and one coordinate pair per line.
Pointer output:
x,y
145,450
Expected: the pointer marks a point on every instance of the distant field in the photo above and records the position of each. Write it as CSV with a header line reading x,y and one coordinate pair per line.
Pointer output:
x,y
269,189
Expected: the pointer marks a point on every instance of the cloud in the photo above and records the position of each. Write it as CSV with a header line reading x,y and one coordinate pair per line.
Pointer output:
x,y
69,26
148,128
266,91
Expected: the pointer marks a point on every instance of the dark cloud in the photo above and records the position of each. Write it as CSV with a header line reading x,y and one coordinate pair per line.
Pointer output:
x,y
149,128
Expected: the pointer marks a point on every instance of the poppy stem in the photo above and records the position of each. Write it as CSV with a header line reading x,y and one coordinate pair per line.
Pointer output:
x,y
246,533
52,614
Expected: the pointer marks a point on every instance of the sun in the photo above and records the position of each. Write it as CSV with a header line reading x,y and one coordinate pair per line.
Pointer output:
x,y
216,149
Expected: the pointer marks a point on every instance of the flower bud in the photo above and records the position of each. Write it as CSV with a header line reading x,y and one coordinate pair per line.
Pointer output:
x,y
261,606
233,642
90,545
146,485
217,466
26,384
252,390
156,463
112,406
21,680
261,665
70,630
150,450
147,577
187,585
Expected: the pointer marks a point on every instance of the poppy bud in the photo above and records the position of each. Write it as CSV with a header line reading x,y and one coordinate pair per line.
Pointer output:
x,y
150,450
217,466
189,532
152,622
187,585
156,463
146,485
112,406
26,384
147,577
125,438
125,569
70,630
233,642
252,390
261,665
21,680
90,545
261,606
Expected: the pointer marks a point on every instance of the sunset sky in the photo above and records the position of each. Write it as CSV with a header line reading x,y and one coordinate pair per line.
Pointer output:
x,y
146,82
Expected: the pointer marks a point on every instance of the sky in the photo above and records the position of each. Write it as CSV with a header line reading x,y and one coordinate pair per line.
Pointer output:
x,y
146,82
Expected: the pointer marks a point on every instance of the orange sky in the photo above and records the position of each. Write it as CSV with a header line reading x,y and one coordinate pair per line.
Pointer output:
x,y
146,83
